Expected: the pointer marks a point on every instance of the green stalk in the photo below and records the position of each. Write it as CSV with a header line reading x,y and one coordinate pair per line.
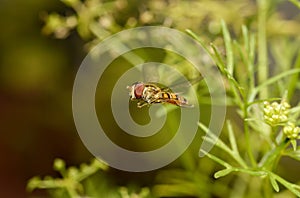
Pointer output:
x,y
263,69
293,80
247,137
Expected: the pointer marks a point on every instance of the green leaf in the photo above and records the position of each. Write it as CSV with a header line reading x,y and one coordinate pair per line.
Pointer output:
x,y
228,46
218,58
216,159
197,38
213,139
223,173
234,147
246,37
274,183
232,137
292,187
294,144
259,173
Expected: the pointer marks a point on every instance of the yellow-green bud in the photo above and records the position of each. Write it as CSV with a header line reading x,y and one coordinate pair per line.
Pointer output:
x,y
291,131
276,113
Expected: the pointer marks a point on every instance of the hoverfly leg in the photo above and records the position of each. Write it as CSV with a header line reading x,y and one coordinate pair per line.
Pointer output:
x,y
141,104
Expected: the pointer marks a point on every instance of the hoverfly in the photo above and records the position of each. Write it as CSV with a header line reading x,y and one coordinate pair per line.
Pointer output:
x,y
152,92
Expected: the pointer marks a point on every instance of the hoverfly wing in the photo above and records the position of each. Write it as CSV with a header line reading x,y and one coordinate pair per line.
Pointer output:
x,y
150,73
186,105
161,86
177,98
184,84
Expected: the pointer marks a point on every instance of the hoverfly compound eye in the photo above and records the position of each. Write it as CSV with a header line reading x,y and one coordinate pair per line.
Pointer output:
x,y
138,89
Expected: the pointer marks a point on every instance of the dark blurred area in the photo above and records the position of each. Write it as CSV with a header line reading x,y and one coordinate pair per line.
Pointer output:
x,y
36,77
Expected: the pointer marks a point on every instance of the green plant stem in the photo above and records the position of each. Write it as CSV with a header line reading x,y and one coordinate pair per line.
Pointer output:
x,y
71,191
293,79
247,136
234,147
273,134
262,45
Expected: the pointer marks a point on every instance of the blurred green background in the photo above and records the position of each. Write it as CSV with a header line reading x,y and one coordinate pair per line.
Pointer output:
x,y
37,73
36,77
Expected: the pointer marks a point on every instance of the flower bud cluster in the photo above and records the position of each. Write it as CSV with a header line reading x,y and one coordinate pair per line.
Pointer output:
x,y
276,113
291,131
